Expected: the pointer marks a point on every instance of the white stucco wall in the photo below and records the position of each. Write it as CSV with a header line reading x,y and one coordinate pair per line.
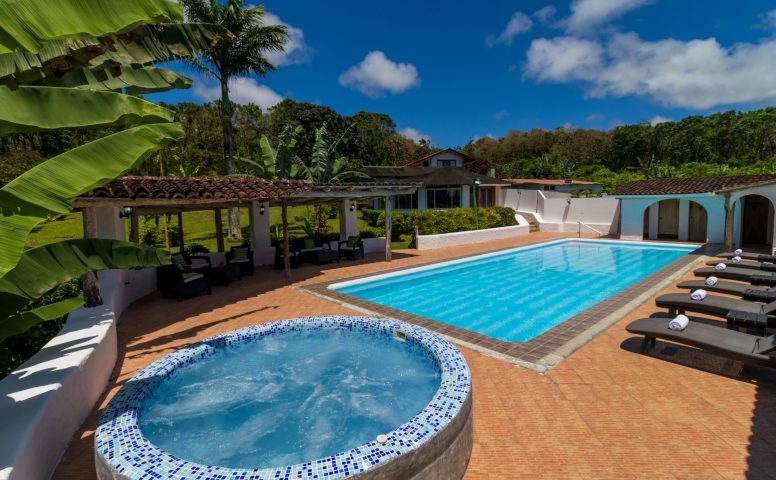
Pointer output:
x,y
632,216
564,214
430,242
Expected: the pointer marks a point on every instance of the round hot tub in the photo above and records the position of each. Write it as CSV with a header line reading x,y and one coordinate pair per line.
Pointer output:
x,y
316,397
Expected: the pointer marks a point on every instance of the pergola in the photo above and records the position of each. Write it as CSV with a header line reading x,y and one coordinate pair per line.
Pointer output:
x,y
175,195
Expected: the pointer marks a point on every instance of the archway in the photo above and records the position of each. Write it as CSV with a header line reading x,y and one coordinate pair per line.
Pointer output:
x,y
661,220
697,223
756,221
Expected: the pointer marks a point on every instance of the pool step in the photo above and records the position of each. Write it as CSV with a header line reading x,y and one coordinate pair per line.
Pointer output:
x,y
533,225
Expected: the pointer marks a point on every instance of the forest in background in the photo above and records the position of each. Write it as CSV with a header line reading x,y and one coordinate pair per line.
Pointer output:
x,y
728,143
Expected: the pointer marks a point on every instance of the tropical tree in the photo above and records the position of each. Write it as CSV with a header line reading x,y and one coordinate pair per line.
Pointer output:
x,y
279,163
254,39
58,70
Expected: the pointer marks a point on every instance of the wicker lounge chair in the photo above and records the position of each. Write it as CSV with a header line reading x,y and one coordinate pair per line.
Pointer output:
x,y
713,305
755,277
747,264
758,257
352,248
727,343
180,280
243,257
744,290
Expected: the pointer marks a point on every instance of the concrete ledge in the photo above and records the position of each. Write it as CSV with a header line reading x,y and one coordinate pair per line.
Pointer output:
x,y
430,242
45,400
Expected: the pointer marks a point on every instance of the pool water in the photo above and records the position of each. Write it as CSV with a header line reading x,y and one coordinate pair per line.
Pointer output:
x,y
518,295
289,398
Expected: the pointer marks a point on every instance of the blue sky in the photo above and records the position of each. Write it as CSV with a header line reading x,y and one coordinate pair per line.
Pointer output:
x,y
453,71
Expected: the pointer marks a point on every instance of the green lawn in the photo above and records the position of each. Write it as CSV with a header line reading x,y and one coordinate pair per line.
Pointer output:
x,y
198,227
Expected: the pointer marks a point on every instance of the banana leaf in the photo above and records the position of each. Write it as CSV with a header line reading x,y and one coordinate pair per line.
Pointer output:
x,y
21,322
143,46
48,189
32,109
41,269
26,25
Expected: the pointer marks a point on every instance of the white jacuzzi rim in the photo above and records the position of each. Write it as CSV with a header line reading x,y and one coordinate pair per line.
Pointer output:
x,y
120,445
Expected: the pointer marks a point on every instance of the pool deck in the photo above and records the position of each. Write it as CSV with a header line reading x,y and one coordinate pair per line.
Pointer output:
x,y
605,411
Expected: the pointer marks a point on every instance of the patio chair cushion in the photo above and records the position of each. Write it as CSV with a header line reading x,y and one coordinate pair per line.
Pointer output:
x,y
240,255
190,277
309,243
352,242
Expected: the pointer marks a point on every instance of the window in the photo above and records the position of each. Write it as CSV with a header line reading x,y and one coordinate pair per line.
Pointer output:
x,y
486,197
406,202
442,198
446,163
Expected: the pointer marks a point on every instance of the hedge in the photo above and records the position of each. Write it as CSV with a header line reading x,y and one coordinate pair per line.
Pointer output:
x,y
432,222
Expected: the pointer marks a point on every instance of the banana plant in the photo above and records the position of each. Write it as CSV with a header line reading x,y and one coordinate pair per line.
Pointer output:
x,y
65,64
327,164
280,163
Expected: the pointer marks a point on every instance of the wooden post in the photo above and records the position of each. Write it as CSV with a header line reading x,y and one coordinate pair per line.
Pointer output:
x,y
180,231
219,230
92,294
134,227
286,247
388,227
730,211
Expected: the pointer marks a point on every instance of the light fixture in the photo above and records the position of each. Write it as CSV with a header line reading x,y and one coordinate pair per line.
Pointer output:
x,y
126,212
352,207
477,181
261,210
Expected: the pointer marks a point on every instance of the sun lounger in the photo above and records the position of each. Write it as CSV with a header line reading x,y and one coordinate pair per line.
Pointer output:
x,y
727,343
758,257
748,264
749,292
715,305
755,277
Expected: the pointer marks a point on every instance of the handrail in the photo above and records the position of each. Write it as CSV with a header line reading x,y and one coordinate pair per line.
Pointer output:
x,y
579,231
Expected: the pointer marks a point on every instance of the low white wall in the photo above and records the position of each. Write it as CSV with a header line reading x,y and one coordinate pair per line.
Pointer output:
x,y
374,245
430,242
564,214
45,400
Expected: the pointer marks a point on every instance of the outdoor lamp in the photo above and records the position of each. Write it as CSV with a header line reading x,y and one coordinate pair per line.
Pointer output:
x,y
125,212
352,207
477,181
261,210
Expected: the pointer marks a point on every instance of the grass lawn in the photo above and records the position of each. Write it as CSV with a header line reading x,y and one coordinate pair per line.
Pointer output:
x,y
198,227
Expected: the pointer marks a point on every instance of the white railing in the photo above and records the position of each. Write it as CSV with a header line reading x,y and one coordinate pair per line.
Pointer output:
x,y
579,231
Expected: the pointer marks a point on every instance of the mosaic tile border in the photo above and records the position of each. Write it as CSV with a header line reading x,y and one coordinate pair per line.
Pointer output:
x,y
123,452
546,350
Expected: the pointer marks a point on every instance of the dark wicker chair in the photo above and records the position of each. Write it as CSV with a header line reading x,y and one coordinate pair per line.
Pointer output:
x,y
293,254
242,256
352,248
181,282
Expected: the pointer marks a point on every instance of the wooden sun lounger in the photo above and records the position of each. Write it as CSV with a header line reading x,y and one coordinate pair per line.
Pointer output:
x,y
712,305
758,257
755,277
744,290
747,264
727,343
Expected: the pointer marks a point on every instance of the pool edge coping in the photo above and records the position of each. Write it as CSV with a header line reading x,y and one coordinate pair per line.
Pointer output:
x,y
546,350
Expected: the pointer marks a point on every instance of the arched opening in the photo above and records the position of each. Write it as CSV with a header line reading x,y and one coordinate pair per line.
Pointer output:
x,y
661,220
697,223
757,221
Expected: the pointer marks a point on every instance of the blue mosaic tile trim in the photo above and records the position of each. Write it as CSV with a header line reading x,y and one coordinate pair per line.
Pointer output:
x,y
119,442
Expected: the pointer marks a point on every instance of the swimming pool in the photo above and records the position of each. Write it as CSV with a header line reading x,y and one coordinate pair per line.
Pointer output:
x,y
518,294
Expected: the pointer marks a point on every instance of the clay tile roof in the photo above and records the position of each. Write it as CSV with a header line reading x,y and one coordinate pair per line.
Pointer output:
x,y
684,186
548,181
198,188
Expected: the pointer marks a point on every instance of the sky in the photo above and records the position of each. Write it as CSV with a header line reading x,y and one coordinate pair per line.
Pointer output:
x,y
452,71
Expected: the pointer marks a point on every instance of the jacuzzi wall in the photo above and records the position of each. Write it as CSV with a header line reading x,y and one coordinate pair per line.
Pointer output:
x,y
45,400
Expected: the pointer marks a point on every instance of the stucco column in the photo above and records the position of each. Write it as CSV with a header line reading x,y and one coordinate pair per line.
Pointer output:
x,y
466,196
348,220
261,235
422,199
684,220
654,219
730,210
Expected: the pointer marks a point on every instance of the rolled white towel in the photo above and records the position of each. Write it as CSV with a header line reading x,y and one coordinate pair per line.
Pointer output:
x,y
720,266
711,281
738,252
679,323
699,294
735,259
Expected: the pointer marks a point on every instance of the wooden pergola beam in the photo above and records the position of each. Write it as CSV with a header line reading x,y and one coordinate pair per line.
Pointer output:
x,y
219,230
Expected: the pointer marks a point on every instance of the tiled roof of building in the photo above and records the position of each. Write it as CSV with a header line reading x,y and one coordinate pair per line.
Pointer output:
x,y
684,186
474,165
548,181
199,188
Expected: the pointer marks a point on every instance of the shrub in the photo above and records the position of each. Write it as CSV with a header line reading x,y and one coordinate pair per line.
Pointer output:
x,y
432,222
149,233
372,217
196,249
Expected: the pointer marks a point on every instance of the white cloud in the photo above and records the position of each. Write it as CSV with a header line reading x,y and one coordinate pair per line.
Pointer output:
x,y
768,20
519,23
500,115
659,119
377,74
595,117
296,51
697,74
242,90
415,135
588,14
545,14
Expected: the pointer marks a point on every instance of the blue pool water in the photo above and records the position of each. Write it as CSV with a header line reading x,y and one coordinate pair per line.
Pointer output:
x,y
289,397
518,295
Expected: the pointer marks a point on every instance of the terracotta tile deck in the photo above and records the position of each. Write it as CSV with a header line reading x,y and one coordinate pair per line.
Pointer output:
x,y
603,412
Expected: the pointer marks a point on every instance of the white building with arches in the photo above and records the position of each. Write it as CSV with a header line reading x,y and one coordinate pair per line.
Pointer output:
x,y
736,211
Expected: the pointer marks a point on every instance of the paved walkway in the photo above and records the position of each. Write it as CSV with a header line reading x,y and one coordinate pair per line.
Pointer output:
x,y
604,412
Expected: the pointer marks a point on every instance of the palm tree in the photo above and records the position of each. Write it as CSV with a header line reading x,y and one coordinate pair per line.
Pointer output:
x,y
254,39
